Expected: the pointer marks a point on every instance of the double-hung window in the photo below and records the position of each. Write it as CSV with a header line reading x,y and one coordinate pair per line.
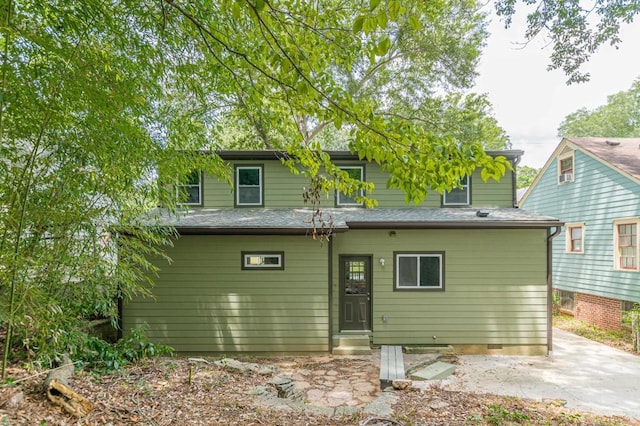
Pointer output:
x,y
189,192
458,196
565,168
626,256
575,237
249,189
419,271
356,173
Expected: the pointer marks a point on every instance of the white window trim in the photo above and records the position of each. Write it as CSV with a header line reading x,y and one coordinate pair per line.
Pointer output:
x,y
566,177
238,186
246,255
439,255
466,187
616,255
568,227
360,193
179,186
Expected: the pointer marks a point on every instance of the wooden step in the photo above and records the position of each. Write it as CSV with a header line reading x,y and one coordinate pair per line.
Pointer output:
x,y
391,365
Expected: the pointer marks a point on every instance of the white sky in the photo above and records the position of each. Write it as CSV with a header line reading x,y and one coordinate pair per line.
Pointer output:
x,y
530,102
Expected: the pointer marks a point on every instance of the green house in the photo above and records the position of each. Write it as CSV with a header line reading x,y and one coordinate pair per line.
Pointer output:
x,y
466,269
593,185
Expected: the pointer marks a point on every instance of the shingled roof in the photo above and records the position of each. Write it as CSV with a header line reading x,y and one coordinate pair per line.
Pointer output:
x,y
621,153
298,221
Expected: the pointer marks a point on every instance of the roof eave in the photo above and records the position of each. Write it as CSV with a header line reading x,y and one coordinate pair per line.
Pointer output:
x,y
455,225
201,230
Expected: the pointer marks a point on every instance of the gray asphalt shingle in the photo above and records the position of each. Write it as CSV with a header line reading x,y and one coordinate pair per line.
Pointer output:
x,y
298,219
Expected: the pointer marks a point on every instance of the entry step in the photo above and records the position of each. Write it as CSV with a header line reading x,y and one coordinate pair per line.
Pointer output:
x,y
351,344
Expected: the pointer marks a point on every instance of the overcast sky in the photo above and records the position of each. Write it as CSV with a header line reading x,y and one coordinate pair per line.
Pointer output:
x,y
530,102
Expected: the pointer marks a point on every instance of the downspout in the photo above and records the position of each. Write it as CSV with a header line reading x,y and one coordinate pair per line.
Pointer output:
x,y
330,283
550,237
514,181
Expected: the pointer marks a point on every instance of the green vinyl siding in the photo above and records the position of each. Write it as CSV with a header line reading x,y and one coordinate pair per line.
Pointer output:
x,y
284,189
204,302
598,196
495,289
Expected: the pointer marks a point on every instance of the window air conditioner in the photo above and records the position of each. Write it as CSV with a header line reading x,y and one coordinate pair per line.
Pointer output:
x,y
566,177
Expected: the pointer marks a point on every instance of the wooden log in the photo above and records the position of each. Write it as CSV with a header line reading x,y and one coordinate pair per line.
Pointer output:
x,y
59,393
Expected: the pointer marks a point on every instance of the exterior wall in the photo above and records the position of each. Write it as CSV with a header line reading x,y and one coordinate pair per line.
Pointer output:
x,y
597,196
205,302
283,189
495,287
603,312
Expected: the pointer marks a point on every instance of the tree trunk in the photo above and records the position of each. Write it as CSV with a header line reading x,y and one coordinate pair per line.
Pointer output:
x,y
59,393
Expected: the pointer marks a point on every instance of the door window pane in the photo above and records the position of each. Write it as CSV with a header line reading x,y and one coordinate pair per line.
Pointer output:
x,y
355,277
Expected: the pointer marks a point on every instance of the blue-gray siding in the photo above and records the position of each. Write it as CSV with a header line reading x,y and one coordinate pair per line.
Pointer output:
x,y
598,196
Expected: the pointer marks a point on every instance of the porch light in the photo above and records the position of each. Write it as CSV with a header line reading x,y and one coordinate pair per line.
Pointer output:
x,y
381,260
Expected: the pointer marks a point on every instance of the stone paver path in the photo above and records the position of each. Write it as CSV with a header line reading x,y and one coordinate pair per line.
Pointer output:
x,y
333,382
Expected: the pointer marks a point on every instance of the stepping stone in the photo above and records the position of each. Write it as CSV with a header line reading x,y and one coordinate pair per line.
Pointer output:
x,y
435,371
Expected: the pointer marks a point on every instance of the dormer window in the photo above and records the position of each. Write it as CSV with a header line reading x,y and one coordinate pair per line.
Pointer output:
x,y
249,187
189,192
354,172
565,168
458,196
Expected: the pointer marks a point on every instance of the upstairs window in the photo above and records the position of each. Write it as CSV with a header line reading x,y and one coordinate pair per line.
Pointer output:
x,y
189,192
354,172
458,196
626,244
419,271
565,168
575,238
249,188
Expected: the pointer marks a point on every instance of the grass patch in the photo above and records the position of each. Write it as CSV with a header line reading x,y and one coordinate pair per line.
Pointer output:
x,y
617,339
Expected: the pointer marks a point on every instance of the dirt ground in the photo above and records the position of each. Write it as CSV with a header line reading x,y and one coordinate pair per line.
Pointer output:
x,y
174,391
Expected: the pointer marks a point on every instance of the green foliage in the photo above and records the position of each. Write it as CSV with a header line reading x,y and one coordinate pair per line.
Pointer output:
x,y
575,29
498,415
620,117
632,317
525,176
96,354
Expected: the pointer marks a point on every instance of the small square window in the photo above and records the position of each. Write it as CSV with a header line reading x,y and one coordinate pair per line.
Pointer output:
x,y
626,244
458,196
567,300
419,271
565,168
575,237
262,260
249,186
354,172
189,192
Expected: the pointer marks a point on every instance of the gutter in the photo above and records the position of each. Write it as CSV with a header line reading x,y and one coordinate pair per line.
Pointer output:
x,y
550,237
201,230
330,301
516,224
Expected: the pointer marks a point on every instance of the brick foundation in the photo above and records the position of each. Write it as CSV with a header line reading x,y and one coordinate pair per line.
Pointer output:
x,y
602,312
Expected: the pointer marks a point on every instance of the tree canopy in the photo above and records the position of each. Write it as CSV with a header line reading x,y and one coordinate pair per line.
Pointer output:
x,y
575,29
525,176
619,117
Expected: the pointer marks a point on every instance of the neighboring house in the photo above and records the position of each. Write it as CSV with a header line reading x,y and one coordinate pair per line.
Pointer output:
x,y
593,185
465,269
